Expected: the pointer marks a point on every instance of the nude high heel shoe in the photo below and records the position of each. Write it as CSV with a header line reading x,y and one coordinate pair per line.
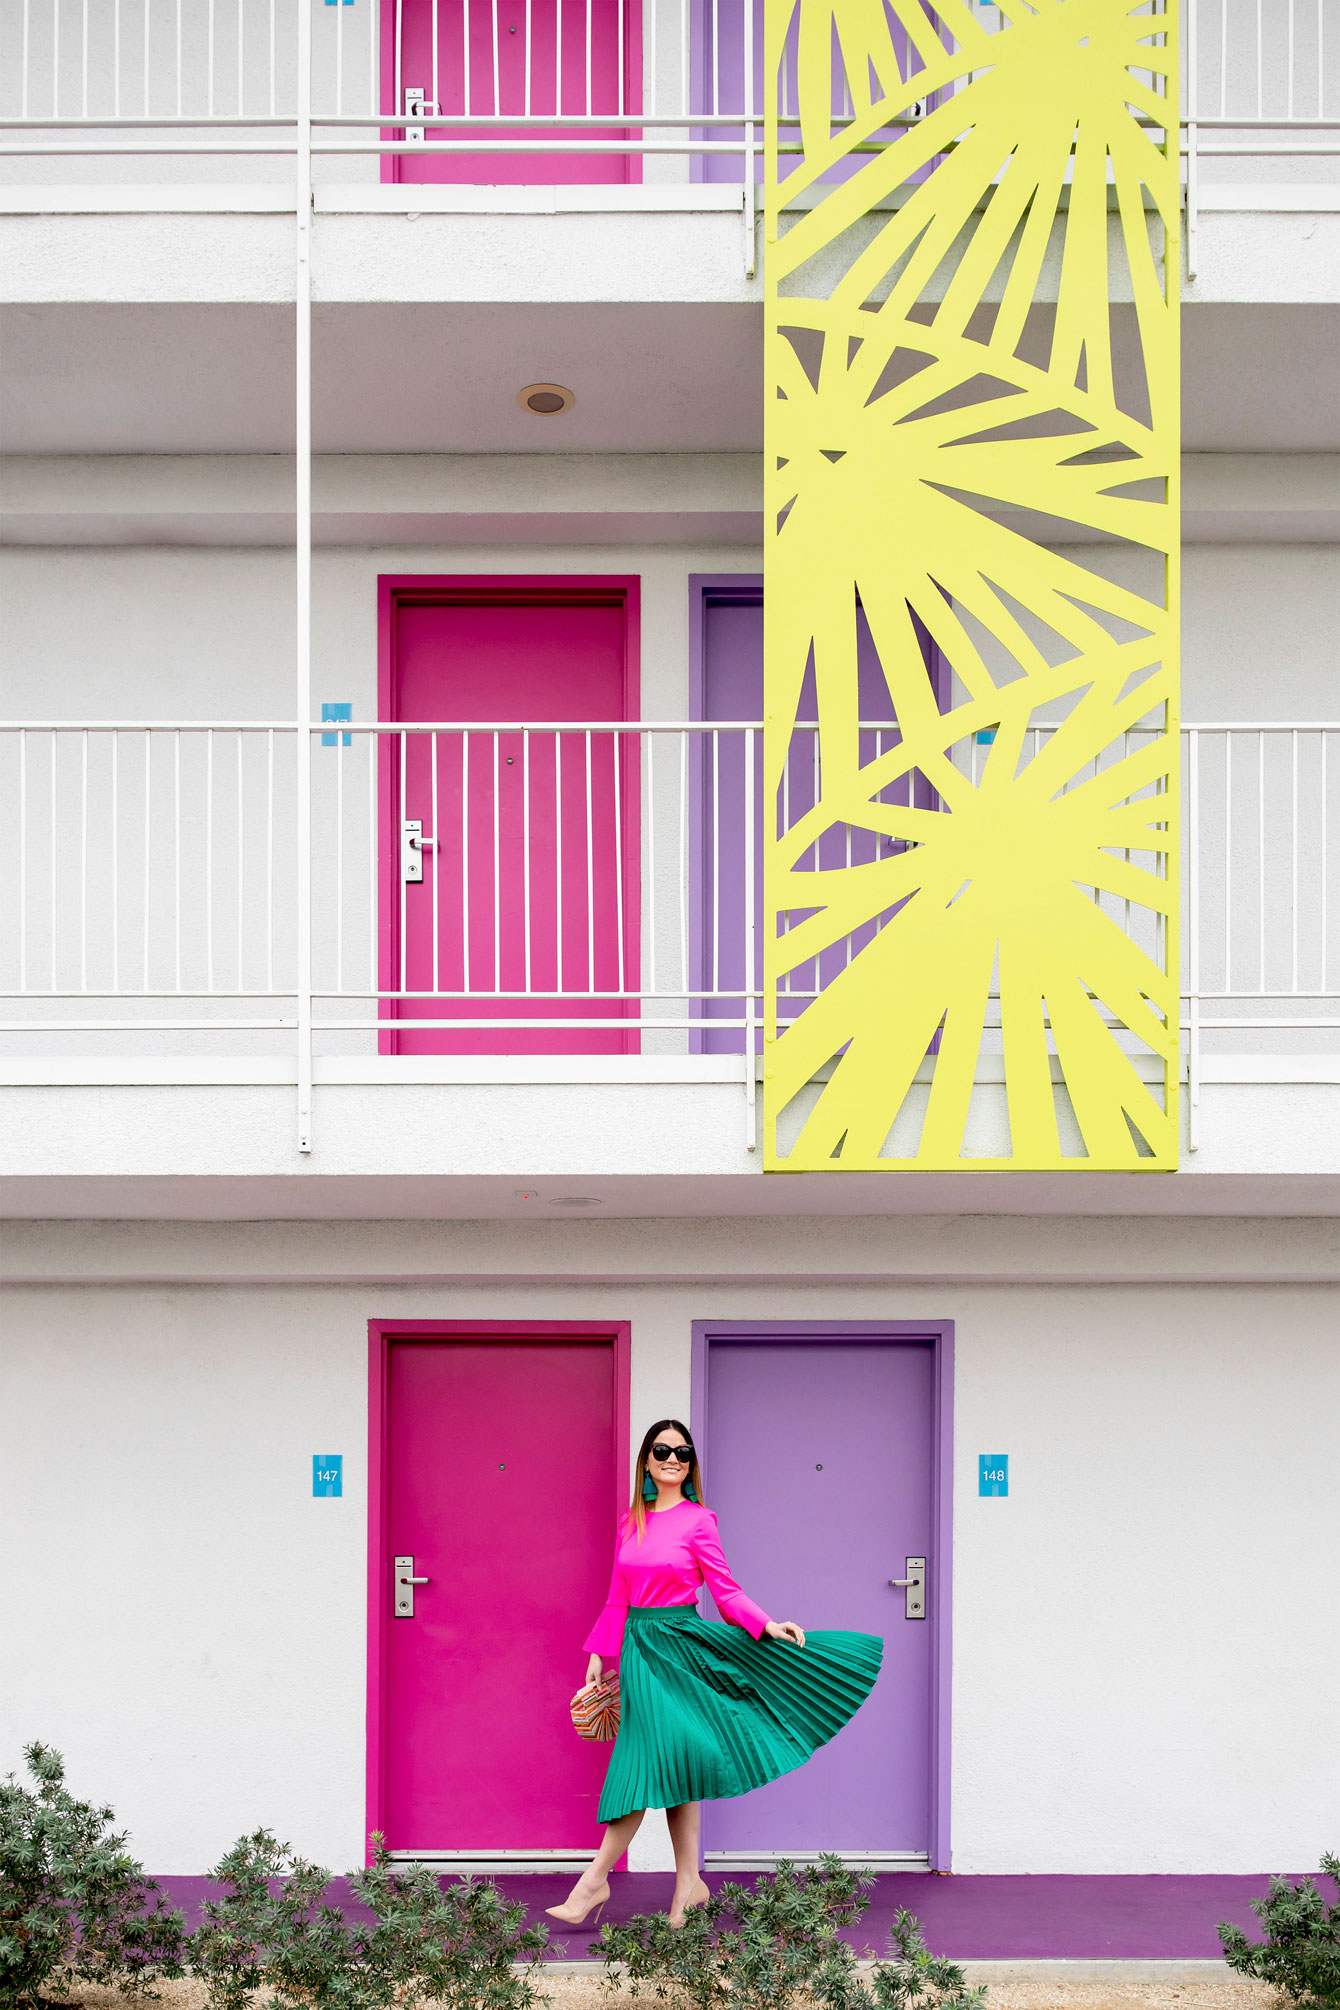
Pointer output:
x,y
699,1896
566,1918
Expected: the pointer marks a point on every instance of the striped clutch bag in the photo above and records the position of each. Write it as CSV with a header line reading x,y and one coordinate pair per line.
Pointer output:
x,y
595,1710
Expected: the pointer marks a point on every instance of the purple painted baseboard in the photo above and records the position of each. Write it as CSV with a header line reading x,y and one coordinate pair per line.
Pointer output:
x,y
981,1918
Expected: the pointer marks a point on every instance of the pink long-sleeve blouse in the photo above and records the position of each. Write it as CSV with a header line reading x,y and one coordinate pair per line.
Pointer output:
x,y
680,1552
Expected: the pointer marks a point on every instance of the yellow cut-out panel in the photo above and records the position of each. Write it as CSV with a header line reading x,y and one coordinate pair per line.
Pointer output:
x,y
970,918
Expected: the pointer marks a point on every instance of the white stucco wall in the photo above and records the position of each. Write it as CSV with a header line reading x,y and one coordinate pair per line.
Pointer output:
x,y
123,633
107,633
1147,1643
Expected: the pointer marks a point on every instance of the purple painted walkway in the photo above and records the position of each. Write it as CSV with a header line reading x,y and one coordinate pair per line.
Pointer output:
x,y
981,1918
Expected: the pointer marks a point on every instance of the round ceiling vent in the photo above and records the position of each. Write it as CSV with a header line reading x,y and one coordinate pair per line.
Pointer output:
x,y
546,401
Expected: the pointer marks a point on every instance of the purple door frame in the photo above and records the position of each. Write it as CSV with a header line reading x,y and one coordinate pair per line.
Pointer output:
x,y
939,1566
740,589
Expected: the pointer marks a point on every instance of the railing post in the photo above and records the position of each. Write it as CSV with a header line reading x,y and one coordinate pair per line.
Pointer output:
x,y
1193,938
747,200
750,944
1192,162
303,563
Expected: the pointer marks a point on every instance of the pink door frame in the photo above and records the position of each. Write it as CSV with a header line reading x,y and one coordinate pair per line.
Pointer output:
x,y
381,1334
940,1576
517,589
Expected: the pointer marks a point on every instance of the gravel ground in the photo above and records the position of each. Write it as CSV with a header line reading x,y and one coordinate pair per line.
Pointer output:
x,y
580,1992
583,1992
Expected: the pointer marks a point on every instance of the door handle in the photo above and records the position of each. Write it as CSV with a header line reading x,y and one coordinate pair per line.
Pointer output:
x,y
405,1581
417,100
914,1584
413,845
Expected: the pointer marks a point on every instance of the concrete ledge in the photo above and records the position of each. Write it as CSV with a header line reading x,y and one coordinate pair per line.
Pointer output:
x,y
976,1972
1098,1971
1132,1927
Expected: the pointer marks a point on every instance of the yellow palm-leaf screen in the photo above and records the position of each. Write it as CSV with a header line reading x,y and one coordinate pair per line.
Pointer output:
x,y
970,750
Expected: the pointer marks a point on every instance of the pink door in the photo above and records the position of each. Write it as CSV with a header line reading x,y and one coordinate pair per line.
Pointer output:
x,y
481,1437
525,58
527,908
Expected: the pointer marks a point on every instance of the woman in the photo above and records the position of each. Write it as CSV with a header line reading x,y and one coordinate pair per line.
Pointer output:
x,y
707,1711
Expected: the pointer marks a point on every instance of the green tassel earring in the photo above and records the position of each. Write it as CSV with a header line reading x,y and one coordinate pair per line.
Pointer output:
x,y
648,1488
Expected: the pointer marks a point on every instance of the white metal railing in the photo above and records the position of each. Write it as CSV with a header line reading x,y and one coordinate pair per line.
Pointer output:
x,y
455,83
569,887
551,862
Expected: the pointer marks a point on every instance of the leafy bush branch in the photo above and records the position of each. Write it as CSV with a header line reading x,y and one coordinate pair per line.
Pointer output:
x,y
410,1941
763,1947
1300,1955
74,1905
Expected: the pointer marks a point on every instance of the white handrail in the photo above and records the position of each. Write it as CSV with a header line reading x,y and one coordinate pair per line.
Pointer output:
x,y
1261,79
148,859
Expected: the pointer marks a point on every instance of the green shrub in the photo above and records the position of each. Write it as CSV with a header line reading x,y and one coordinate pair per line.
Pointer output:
x,y
1300,1955
762,1947
74,1906
275,1927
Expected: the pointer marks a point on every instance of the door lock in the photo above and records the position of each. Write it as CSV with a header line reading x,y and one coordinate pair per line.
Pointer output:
x,y
914,1584
405,1581
413,845
417,101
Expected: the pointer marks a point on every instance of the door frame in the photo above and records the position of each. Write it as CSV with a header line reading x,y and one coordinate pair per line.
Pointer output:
x,y
742,589
382,1335
940,1574
500,589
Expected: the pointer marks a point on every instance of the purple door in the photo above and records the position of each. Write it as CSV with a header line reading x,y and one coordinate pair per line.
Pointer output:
x,y
732,690
720,36
477,1752
818,1461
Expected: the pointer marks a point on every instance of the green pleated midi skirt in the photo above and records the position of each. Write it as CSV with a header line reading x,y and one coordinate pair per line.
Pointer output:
x,y
708,1713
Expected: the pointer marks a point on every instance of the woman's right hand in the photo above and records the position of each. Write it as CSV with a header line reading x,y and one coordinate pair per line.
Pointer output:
x,y
594,1670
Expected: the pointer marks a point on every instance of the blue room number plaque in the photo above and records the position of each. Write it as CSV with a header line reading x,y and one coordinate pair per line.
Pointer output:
x,y
993,1473
327,1475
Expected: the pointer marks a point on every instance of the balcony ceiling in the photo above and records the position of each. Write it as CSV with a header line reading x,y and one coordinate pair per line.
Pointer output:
x,y
425,377
955,1196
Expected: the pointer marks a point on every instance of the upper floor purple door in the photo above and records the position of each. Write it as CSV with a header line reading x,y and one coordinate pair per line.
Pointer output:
x,y
732,690
726,43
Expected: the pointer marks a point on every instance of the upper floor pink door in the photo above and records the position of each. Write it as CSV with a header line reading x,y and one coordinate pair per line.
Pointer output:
x,y
528,59
527,907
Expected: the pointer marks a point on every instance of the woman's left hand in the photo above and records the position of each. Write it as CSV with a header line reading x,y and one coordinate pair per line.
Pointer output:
x,y
785,1629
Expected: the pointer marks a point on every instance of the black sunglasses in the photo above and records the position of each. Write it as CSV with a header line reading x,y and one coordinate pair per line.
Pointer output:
x,y
684,1453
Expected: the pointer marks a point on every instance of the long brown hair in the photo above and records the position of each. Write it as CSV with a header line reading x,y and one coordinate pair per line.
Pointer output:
x,y
637,1507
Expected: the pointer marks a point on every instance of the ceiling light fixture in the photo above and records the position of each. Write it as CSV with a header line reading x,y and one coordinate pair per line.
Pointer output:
x,y
546,401
574,1200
